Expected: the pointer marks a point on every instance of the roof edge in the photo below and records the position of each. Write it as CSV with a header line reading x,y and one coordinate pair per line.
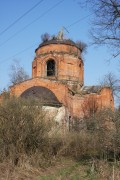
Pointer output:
x,y
57,41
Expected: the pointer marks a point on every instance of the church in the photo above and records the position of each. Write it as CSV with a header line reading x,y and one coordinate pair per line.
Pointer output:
x,y
58,80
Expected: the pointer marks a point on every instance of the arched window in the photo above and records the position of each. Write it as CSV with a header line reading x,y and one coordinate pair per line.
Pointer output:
x,y
50,67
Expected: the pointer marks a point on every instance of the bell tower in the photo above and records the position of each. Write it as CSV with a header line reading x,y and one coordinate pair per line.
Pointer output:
x,y
59,59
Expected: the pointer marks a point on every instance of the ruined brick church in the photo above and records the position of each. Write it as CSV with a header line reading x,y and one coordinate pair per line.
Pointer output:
x,y
58,79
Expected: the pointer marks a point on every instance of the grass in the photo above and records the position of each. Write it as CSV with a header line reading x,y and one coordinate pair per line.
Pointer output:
x,y
73,171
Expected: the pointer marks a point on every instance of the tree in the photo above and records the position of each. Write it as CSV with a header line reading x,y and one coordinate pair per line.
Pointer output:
x,y
106,23
113,82
17,73
101,128
24,130
45,37
82,46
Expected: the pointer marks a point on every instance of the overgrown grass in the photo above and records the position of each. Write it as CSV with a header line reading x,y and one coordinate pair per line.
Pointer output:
x,y
82,171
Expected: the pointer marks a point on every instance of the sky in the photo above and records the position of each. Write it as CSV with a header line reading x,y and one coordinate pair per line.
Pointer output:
x,y
22,22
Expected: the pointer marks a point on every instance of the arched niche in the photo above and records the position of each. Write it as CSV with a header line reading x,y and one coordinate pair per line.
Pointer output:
x,y
45,95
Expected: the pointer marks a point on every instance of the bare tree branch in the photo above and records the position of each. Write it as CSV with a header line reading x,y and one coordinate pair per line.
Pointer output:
x,y
106,23
17,73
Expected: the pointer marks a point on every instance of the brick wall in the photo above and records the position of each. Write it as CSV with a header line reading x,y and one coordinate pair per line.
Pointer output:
x,y
69,66
69,70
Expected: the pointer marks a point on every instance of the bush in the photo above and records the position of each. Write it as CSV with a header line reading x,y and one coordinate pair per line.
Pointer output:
x,y
45,37
79,145
23,129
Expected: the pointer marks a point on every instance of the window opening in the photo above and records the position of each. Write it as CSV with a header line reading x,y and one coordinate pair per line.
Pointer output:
x,y
51,68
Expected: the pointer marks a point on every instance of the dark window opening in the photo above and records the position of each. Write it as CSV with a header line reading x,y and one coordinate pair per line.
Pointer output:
x,y
51,68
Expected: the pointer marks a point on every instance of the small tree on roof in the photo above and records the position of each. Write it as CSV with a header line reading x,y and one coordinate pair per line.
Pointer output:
x,y
82,46
45,37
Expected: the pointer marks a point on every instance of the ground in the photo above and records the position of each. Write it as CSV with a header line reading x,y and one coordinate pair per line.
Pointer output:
x,y
64,169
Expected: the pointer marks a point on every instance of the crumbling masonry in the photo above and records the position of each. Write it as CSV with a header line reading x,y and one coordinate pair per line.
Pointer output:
x,y
58,80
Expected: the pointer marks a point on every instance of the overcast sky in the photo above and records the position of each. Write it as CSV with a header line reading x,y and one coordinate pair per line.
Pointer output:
x,y
22,22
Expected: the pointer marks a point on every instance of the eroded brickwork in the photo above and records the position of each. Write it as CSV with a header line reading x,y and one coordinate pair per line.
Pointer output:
x,y
65,78
68,64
